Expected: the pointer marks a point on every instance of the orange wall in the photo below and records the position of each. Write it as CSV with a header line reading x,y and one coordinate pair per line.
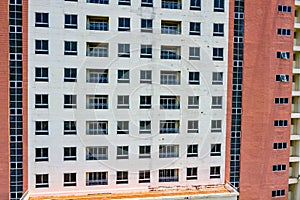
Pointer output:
x,y
4,103
259,90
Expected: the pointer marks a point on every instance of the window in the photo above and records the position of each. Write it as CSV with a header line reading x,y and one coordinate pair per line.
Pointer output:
x,y
124,50
195,28
194,78
41,181
193,126
147,3
146,25
171,4
96,178
282,123
278,193
124,24
283,31
41,154
97,75
145,151
168,151
41,128
169,102
70,75
195,4
69,179
218,5
70,101
170,52
123,102
168,175
144,176
193,102
278,168
122,177
69,153
146,51
215,150
215,172
123,76
194,53
41,47
280,145
124,2
169,126
216,102
192,150
145,76
41,101
283,55
71,21
122,152
97,153
97,102
70,48
41,19
97,127
97,49
282,78
216,125
145,102
191,173
170,77
218,30
170,27
123,127
70,128
97,23
218,54
283,8
281,100
98,1
41,74
217,78
145,127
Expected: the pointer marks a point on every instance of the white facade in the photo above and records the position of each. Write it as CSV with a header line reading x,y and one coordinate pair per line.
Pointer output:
x,y
56,88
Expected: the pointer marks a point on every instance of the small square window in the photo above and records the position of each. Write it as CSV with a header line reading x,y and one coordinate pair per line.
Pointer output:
x,y
41,74
70,48
70,101
124,24
123,127
41,154
41,47
122,177
216,102
217,78
145,151
194,53
69,153
215,150
218,5
146,3
215,172
70,128
145,127
191,173
145,102
283,55
193,102
71,21
144,176
218,54
41,128
216,126
124,50
146,51
123,102
123,76
195,28
145,76
282,78
69,179
41,19
194,78
70,75
41,181
192,150
41,101
122,152
195,4
146,25
218,30
193,126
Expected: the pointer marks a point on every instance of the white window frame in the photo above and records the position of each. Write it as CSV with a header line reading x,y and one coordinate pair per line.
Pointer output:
x,y
96,128
122,152
193,126
96,153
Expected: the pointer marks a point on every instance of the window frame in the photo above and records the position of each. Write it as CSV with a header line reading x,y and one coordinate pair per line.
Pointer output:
x,y
71,21
122,152
69,74
41,127
42,20
124,24
70,154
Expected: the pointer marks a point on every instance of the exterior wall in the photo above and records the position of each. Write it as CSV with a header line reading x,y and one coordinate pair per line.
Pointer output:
x,y
56,88
259,90
4,105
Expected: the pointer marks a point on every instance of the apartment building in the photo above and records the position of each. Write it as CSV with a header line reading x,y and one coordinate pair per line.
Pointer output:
x,y
112,96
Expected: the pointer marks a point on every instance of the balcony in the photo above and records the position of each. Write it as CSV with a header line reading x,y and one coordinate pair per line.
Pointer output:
x,y
97,49
170,52
97,102
169,126
170,27
169,102
171,4
170,77
97,76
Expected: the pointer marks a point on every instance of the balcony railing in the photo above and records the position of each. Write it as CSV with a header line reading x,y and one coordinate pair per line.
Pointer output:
x,y
100,79
97,26
97,182
97,106
169,130
170,5
169,106
170,30
97,132
168,179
